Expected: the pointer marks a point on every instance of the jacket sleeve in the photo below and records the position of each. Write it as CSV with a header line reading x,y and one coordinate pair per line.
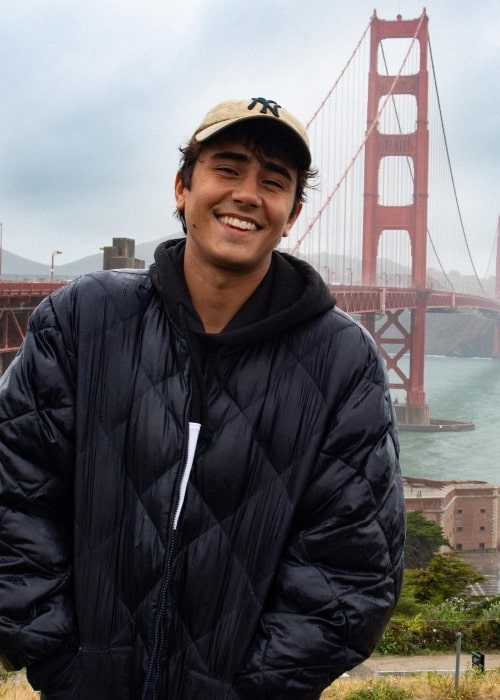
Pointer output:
x,y
340,576
36,460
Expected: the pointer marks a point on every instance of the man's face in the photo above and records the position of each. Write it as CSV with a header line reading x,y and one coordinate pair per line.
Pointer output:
x,y
237,208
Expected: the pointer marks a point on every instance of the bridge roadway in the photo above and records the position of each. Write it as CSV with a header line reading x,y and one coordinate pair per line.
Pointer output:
x,y
19,298
367,299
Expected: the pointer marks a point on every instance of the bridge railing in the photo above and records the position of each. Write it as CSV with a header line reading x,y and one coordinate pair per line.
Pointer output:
x,y
365,299
15,289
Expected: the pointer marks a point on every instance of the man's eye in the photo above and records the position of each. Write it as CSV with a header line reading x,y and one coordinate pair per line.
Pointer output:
x,y
272,182
226,170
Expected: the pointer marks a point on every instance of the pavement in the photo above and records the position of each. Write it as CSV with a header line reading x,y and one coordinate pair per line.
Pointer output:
x,y
420,663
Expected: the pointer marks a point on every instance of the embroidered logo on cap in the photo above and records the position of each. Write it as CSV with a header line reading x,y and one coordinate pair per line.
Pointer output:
x,y
270,105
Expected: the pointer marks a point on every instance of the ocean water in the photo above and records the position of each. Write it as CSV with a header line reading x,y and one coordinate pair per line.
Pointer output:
x,y
465,389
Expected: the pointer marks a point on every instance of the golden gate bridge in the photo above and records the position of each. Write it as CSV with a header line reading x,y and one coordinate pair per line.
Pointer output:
x,y
383,226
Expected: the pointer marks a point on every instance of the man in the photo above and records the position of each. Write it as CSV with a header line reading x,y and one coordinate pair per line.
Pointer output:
x,y
200,495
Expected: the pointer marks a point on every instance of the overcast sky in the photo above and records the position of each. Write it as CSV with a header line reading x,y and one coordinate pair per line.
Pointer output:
x,y
97,95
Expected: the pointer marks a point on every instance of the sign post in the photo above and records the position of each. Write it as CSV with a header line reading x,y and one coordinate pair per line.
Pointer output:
x,y
457,660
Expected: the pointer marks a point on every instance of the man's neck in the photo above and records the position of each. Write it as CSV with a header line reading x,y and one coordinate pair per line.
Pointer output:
x,y
218,294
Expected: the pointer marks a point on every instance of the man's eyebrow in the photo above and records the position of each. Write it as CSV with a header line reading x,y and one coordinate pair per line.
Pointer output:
x,y
231,155
278,168
244,158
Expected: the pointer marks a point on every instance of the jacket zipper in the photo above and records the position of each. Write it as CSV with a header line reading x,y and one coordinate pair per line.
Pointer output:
x,y
153,672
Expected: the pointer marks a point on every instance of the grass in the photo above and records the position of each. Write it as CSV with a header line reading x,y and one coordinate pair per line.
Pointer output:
x,y
14,686
419,686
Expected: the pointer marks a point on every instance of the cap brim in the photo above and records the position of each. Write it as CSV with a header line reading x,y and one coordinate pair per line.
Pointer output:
x,y
209,131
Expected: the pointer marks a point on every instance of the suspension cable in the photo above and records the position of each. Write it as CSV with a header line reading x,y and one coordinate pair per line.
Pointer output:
x,y
361,147
412,176
329,94
451,172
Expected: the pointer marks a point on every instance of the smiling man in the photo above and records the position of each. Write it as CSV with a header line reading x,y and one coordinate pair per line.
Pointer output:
x,y
200,496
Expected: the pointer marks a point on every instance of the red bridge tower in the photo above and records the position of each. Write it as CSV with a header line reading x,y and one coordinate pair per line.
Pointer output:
x,y
393,338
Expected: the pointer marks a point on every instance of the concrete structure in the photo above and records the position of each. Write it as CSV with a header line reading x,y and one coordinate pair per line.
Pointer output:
x,y
466,511
121,255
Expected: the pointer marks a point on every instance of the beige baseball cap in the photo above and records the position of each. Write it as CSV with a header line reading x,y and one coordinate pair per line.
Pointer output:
x,y
232,111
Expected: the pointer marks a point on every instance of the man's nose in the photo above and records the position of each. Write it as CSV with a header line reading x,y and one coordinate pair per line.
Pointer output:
x,y
247,191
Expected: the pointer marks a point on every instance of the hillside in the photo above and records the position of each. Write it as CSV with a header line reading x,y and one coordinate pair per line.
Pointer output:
x,y
459,334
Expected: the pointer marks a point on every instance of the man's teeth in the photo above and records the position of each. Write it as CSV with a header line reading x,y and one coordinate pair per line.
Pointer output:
x,y
238,223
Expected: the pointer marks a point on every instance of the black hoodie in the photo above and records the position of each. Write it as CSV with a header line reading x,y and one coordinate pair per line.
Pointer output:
x,y
290,293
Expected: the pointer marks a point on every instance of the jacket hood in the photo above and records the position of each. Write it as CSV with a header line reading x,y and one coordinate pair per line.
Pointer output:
x,y
291,292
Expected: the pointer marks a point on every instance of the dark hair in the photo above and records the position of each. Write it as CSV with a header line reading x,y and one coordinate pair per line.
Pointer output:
x,y
266,139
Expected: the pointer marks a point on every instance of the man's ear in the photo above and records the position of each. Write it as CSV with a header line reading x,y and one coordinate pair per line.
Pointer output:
x,y
292,219
180,190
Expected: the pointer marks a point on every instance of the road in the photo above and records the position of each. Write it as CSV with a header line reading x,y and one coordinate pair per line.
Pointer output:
x,y
420,663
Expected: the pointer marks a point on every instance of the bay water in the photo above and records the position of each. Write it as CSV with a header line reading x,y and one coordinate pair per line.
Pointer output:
x,y
462,389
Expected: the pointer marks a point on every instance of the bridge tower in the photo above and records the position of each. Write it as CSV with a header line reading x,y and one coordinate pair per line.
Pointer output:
x,y
393,337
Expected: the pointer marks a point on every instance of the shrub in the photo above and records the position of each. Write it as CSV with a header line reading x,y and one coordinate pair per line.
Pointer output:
x,y
435,627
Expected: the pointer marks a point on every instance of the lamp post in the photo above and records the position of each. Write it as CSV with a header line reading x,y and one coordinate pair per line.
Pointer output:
x,y
56,252
327,273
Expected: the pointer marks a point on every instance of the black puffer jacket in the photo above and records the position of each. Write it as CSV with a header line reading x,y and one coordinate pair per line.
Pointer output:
x,y
268,573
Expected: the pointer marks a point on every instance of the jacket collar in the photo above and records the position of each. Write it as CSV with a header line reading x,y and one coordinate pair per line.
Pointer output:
x,y
292,292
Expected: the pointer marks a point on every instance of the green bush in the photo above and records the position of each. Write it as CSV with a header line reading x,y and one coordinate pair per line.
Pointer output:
x,y
435,627
485,634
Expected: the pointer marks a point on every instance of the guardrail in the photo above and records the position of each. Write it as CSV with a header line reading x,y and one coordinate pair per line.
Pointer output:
x,y
20,288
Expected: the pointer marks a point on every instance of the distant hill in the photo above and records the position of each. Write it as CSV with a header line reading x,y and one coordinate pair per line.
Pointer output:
x,y
19,267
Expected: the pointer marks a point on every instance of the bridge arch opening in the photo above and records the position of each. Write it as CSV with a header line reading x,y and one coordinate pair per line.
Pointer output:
x,y
396,181
399,114
392,54
394,259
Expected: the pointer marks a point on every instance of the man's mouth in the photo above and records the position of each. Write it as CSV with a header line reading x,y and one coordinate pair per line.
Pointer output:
x,y
235,222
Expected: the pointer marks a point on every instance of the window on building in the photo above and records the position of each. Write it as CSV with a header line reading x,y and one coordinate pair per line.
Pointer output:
x,y
482,545
482,510
460,510
458,546
481,527
459,529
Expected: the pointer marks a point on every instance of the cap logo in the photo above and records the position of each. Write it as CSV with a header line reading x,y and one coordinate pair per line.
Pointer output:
x,y
270,105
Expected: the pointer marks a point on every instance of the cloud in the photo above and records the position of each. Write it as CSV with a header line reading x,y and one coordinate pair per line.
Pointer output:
x,y
96,98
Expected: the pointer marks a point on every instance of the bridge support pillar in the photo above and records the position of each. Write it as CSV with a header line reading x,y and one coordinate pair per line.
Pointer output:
x,y
412,415
415,395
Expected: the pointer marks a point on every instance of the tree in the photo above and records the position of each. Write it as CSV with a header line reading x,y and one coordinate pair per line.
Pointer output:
x,y
423,540
446,576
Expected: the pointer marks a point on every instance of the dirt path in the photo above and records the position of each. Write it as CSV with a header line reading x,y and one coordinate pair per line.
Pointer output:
x,y
422,662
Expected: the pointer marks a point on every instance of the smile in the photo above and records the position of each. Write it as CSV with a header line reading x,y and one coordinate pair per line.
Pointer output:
x,y
238,223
